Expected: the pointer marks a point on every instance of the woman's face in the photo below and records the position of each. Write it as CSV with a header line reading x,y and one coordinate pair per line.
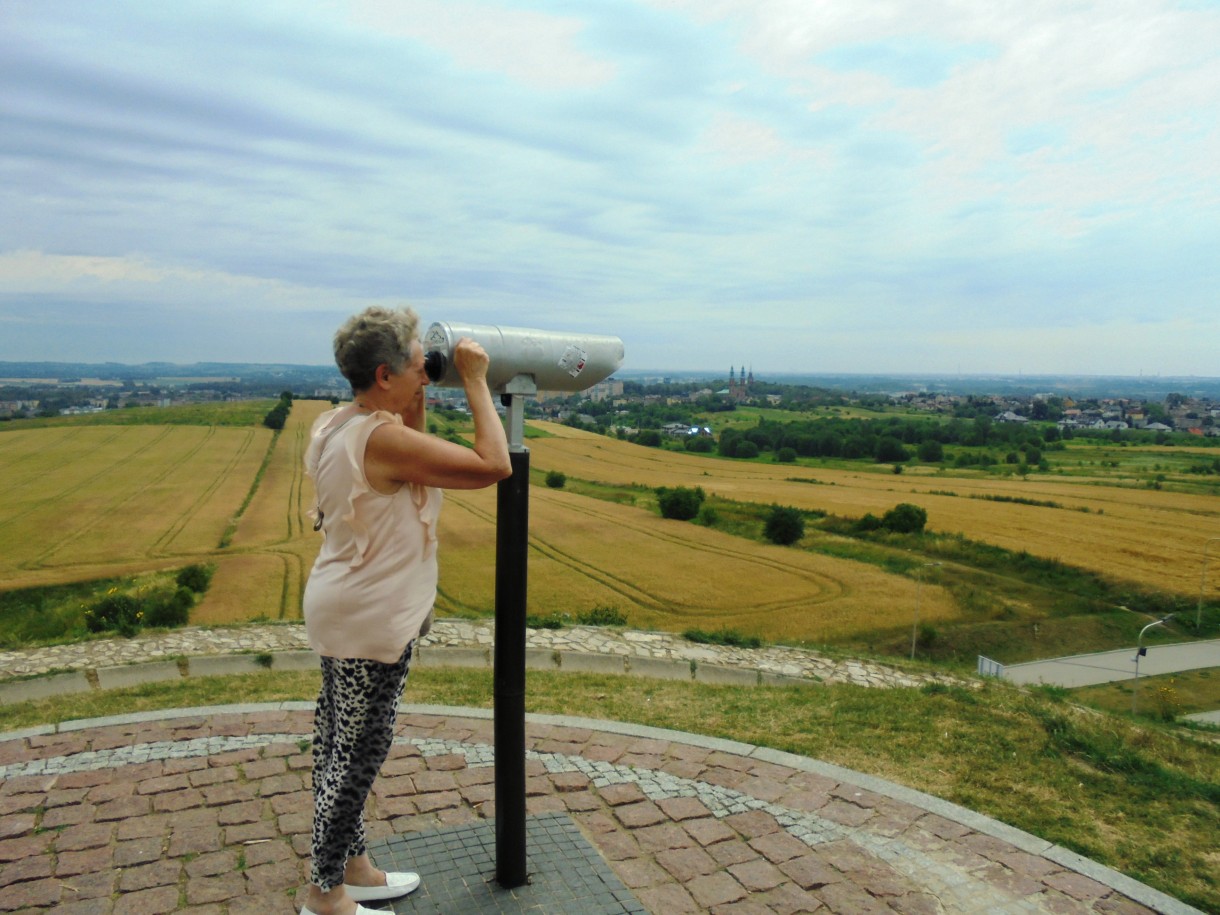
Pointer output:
x,y
408,385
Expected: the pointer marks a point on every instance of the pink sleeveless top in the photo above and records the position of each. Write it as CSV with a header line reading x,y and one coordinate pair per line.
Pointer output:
x,y
374,580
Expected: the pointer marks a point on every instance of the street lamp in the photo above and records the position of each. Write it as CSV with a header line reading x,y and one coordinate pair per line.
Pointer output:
x,y
918,588
1140,651
1202,578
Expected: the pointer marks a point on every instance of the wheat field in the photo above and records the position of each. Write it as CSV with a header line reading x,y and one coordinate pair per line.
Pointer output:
x,y
93,501
1144,536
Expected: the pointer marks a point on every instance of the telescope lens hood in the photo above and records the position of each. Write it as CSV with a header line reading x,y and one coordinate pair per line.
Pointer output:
x,y
435,365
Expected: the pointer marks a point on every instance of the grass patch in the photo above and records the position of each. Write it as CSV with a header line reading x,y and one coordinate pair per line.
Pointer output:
x,y
729,637
232,413
58,614
1137,797
1183,693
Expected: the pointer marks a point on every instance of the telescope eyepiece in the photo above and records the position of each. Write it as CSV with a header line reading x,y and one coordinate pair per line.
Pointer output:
x,y
435,364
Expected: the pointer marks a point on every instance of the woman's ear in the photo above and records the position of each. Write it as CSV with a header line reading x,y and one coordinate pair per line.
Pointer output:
x,y
382,376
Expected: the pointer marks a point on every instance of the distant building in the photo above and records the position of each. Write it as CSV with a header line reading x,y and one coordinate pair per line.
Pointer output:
x,y
739,389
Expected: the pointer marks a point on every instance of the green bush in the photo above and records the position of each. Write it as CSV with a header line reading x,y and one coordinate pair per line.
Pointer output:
x,y
869,522
556,479
785,525
602,616
195,577
905,518
680,503
173,611
746,449
786,455
119,613
707,516
700,444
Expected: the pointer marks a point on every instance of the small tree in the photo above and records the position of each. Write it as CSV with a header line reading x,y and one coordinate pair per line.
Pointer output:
x,y
681,503
556,479
746,449
785,455
905,518
785,525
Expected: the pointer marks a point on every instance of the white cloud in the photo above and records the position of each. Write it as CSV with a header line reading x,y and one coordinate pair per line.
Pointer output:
x,y
537,49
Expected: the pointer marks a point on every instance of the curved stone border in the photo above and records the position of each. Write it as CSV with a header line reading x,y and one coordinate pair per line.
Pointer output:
x,y
113,663
807,826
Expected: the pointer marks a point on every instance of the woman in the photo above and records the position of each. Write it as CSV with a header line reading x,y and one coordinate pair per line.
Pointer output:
x,y
378,476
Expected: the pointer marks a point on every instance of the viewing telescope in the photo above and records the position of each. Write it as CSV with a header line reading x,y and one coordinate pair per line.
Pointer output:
x,y
554,360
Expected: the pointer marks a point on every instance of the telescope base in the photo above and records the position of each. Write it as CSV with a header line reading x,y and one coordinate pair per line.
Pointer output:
x,y
457,870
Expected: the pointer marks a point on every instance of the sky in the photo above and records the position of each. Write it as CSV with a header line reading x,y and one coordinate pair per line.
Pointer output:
x,y
939,186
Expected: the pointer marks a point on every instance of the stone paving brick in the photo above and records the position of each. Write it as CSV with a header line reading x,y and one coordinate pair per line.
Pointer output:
x,y
778,846
94,885
31,894
753,823
787,899
686,863
86,835
662,836
93,860
196,841
159,899
640,872
708,831
123,808
670,899
213,776
85,907
732,852
17,825
642,813
847,897
622,795
215,889
846,814
67,816
810,872
148,876
209,865
1077,886
757,876
138,851
715,890
32,868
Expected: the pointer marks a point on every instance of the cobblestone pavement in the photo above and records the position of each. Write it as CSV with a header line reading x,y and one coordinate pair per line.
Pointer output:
x,y
626,649
208,811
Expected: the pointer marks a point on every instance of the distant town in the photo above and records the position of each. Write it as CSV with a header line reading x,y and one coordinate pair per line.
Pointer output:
x,y
633,401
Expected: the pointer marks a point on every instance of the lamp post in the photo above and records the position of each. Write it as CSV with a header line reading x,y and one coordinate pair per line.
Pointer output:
x,y
1140,651
918,589
1202,578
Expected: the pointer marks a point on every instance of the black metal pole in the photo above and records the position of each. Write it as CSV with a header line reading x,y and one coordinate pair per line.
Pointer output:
x,y
512,535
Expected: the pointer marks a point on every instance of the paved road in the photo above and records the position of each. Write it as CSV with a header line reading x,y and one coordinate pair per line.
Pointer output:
x,y
1108,666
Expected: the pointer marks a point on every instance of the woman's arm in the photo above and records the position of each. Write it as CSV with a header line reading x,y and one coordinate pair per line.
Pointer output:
x,y
402,454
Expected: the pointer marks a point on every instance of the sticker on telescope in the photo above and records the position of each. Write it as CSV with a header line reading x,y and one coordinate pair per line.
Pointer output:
x,y
573,360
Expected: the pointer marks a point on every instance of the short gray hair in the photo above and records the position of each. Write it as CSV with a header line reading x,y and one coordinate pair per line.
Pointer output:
x,y
374,337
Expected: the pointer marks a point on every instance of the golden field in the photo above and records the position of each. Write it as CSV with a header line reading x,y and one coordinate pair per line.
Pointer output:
x,y
92,501
1144,536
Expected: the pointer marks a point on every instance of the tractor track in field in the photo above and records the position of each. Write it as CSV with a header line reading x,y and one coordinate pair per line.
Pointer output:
x,y
169,467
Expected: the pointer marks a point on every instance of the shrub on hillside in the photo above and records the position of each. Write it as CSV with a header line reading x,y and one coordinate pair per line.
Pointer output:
x,y
905,518
680,503
171,612
119,613
195,577
785,455
785,525
746,449
556,479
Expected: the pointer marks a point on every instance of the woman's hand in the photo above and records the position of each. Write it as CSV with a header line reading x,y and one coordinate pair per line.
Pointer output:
x,y
470,360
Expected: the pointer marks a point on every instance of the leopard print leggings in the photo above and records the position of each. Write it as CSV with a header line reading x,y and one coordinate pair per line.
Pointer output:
x,y
353,730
